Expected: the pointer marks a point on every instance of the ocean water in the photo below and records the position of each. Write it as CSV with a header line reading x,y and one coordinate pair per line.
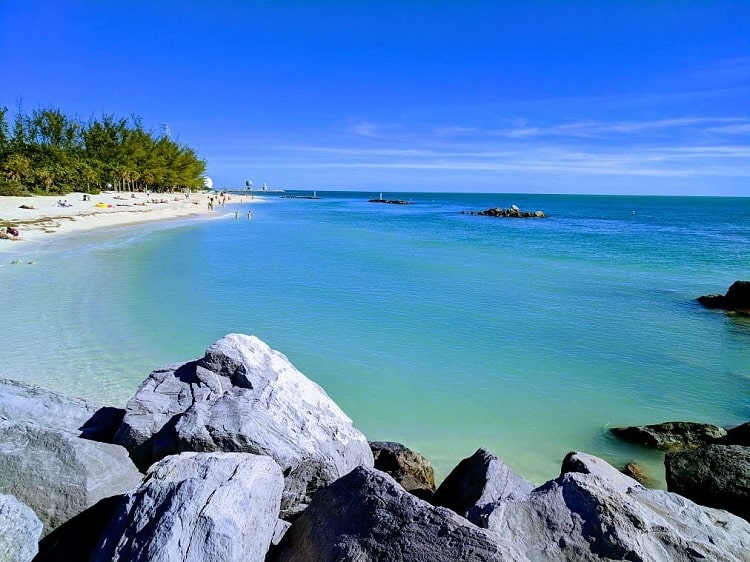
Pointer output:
x,y
441,330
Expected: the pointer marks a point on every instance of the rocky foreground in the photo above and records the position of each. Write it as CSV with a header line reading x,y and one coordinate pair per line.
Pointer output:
x,y
238,456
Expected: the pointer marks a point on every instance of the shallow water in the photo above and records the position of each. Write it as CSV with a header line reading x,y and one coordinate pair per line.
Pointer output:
x,y
437,329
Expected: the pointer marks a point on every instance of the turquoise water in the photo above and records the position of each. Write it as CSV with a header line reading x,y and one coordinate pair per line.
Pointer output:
x,y
437,329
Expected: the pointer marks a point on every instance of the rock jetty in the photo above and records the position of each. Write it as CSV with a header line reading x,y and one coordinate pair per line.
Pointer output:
x,y
511,212
390,201
246,459
736,299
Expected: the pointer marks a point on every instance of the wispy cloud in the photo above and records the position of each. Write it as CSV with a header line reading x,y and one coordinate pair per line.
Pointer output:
x,y
727,71
601,129
666,161
364,129
738,129
679,150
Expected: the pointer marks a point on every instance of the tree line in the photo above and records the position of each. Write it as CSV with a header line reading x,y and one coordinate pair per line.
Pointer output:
x,y
48,152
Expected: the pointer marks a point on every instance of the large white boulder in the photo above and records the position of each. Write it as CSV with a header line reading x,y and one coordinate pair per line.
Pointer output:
x,y
243,396
195,507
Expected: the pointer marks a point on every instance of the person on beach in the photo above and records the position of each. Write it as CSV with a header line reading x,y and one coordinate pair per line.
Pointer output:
x,y
11,233
249,215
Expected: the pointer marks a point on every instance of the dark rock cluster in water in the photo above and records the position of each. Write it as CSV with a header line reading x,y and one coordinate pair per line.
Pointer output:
x,y
736,299
390,201
247,459
705,463
511,212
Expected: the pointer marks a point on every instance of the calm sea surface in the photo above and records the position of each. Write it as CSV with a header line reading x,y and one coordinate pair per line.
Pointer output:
x,y
441,330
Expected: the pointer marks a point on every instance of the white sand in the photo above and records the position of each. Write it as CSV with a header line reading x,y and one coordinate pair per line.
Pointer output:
x,y
47,218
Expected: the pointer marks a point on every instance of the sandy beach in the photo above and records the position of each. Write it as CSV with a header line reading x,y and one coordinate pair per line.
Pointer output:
x,y
39,217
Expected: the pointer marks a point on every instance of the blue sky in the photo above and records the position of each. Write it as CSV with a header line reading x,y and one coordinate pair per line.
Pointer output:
x,y
549,97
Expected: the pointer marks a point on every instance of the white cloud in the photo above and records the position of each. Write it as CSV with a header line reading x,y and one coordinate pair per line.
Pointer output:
x,y
364,129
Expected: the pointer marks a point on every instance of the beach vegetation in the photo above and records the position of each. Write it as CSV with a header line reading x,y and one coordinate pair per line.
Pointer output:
x,y
49,152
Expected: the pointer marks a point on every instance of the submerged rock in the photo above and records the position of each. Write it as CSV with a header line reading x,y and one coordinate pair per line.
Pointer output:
x,y
366,515
737,298
715,475
57,474
20,529
639,474
195,507
408,468
242,396
671,435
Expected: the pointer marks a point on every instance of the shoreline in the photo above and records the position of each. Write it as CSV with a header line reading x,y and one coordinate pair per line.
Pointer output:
x,y
123,209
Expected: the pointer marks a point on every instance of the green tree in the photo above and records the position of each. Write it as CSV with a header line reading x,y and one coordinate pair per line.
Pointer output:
x,y
51,152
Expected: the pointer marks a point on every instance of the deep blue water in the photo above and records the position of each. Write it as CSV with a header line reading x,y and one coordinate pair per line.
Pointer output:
x,y
442,330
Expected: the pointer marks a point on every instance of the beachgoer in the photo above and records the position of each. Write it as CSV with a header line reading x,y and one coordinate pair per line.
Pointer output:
x,y
249,215
236,214
12,233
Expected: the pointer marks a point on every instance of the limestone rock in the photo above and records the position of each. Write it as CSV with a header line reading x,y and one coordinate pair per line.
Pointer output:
x,y
20,529
408,468
737,298
477,481
195,507
57,474
366,515
671,435
593,512
242,396
715,475
23,402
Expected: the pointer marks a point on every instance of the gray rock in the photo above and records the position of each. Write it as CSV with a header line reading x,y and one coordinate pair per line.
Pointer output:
x,y
408,468
671,435
20,529
195,507
77,538
23,402
58,474
242,396
479,480
366,516
593,512
715,475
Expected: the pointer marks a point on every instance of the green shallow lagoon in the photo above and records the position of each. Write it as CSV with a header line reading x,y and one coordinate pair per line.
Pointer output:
x,y
437,329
